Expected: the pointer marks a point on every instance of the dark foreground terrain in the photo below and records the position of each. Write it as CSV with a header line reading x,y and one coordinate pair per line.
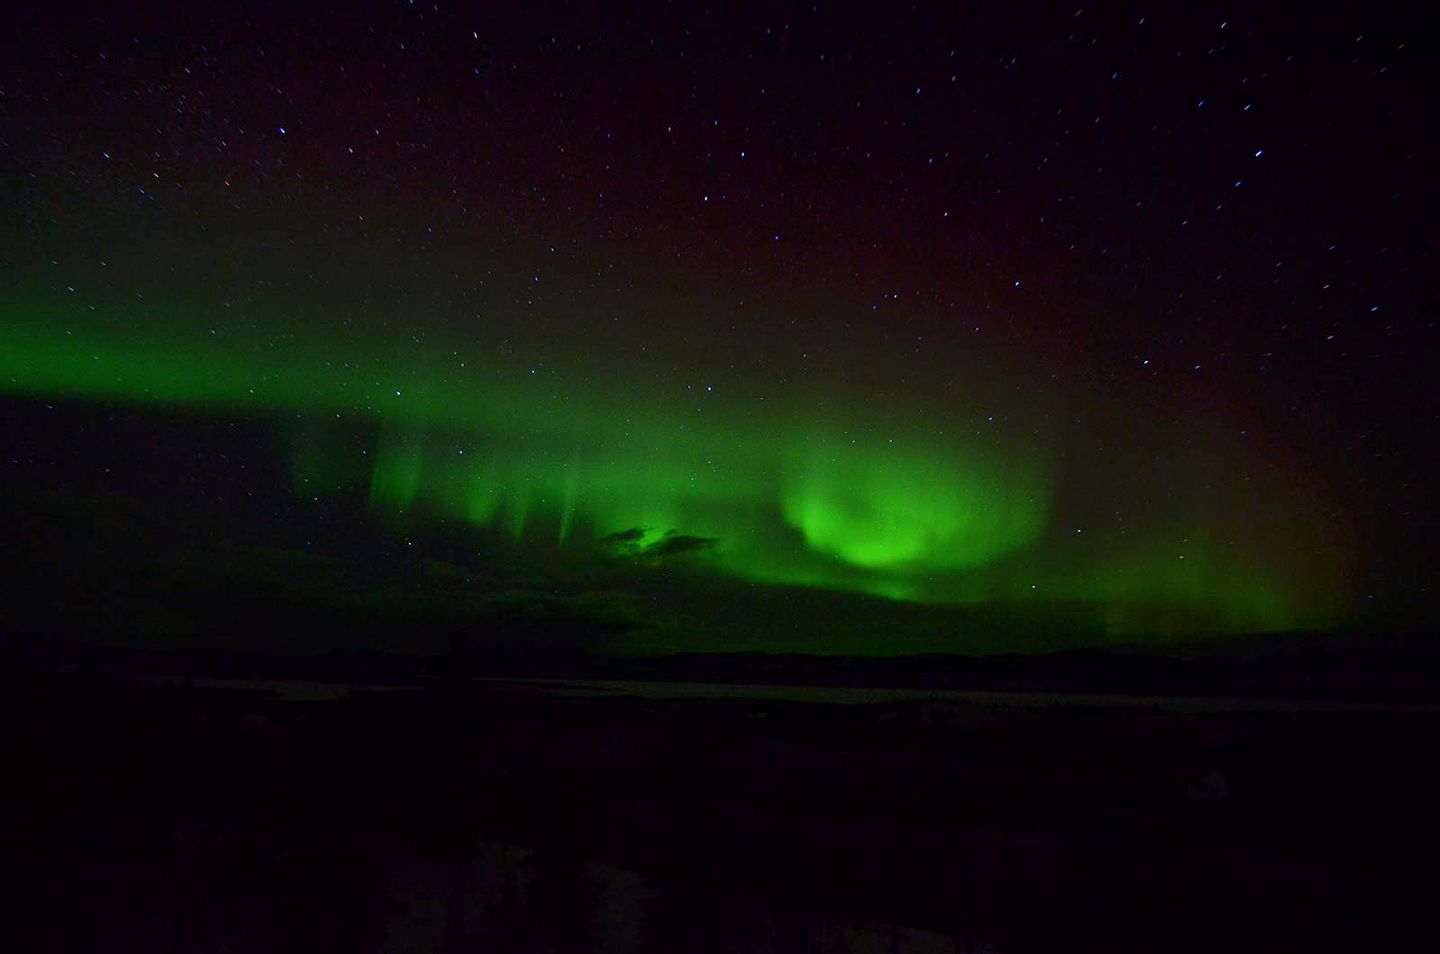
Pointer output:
x,y
164,814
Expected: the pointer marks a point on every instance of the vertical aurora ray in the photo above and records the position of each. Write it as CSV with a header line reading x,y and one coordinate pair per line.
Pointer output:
x,y
395,483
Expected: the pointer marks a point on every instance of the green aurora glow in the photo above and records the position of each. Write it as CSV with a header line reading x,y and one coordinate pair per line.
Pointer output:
x,y
887,498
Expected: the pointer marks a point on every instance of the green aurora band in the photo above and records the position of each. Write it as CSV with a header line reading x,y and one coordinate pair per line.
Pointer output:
x,y
802,492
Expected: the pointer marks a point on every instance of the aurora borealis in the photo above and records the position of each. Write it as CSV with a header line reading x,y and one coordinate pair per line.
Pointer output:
x,y
838,489
815,329
681,477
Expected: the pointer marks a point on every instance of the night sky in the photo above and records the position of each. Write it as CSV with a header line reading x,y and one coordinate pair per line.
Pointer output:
x,y
1126,308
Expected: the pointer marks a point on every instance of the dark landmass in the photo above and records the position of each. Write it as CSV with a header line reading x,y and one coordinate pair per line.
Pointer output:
x,y
1337,666
485,815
